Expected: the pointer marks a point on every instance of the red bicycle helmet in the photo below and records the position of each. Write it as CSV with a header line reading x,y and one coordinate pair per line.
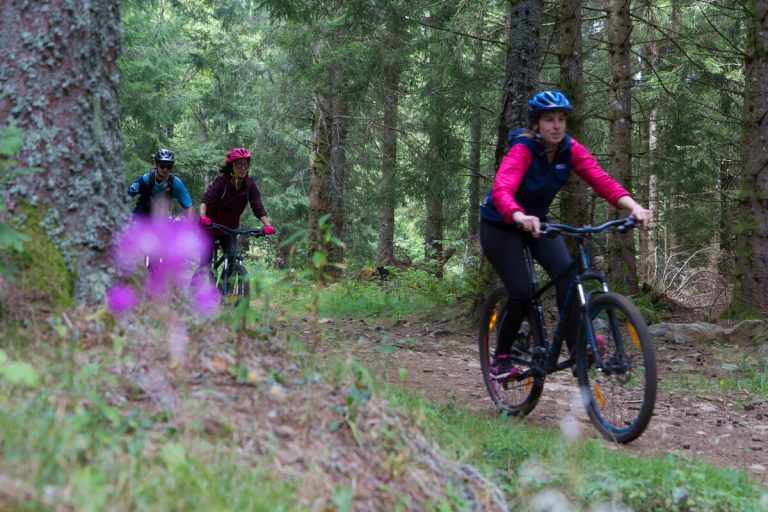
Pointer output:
x,y
237,154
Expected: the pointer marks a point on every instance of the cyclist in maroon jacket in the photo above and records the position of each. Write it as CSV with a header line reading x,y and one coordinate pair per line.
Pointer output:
x,y
226,198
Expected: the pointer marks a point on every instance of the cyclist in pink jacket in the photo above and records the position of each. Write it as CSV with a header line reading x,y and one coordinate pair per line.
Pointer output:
x,y
540,161
227,197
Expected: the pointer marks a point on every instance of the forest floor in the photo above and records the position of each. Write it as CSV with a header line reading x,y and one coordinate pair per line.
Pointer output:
x,y
695,416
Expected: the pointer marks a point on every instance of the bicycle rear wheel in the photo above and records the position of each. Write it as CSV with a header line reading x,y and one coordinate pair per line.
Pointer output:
x,y
621,395
513,396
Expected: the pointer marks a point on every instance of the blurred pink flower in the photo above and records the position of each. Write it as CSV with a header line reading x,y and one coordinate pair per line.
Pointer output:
x,y
171,248
121,299
206,298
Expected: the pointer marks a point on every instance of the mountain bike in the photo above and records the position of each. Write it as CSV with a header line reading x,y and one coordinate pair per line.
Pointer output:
x,y
616,374
228,272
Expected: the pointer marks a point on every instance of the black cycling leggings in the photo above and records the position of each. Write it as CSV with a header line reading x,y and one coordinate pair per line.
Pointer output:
x,y
503,246
227,243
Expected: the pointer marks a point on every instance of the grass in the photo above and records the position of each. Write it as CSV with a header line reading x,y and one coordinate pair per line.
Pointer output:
x,y
62,442
527,461
749,375
404,294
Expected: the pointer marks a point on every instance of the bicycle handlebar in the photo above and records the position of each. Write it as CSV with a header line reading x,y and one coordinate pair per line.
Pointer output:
x,y
249,232
620,225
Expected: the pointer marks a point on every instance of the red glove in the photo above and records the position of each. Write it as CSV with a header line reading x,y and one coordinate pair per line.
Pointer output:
x,y
269,230
205,221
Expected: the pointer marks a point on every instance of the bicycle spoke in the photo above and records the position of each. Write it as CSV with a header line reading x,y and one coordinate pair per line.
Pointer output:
x,y
512,395
619,393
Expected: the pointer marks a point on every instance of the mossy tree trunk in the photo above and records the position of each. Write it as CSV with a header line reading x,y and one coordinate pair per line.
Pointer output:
x,y
59,83
752,231
338,176
320,193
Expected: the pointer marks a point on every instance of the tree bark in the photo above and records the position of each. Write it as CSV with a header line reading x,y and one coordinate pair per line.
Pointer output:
x,y
621,255
319,170
472,244
433,232
649,240
338,177
575,196
522,71
476,133
59,83
521,82
752,231
389,96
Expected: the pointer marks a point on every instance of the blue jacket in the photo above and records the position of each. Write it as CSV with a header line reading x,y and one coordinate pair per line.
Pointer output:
x,y
541,181
141,187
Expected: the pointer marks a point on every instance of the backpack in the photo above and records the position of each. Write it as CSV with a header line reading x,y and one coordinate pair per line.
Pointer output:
x,y
144,203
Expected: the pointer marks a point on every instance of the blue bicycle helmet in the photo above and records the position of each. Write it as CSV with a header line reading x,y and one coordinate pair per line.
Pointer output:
x,y
546,101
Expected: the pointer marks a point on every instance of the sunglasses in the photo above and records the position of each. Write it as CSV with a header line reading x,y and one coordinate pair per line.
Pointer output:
x,y
164,165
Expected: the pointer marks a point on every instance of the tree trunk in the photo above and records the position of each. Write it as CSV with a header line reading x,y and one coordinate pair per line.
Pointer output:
x,y
752,231
62,89
389,95
521,82
472,246
621,255
319,170
649,240
522,72
338,177
476,133
433,232
575,196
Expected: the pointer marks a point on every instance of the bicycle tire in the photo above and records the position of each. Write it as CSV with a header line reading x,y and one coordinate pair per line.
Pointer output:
x,y
514,397
620,398
238,286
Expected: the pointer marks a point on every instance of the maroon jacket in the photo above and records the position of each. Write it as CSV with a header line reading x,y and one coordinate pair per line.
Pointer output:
x,y
225,205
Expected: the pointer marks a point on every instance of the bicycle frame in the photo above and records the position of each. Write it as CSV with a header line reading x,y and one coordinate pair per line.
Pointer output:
x,y
220,277
547,358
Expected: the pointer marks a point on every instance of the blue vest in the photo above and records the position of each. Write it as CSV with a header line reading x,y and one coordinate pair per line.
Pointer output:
x,y
541,182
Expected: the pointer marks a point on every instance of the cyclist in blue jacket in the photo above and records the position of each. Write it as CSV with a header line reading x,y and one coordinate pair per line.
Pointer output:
x,y
159,187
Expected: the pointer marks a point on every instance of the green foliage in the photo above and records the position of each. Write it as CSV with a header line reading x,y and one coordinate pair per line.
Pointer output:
x,y
11,240
651,312
402,294
17,372
738,311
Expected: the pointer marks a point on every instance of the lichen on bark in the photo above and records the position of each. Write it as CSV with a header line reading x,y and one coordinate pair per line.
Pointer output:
x,y
59,84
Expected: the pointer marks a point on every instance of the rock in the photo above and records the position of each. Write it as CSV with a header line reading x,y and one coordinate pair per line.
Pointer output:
x,y
688,334
550,500
754,332
533,473
679,496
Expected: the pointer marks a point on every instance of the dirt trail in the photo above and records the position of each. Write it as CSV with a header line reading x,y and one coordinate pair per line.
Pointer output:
x,y
726,428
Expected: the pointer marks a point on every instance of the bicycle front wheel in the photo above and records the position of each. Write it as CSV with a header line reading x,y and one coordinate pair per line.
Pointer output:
x,y
237,287
513,396
619,392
